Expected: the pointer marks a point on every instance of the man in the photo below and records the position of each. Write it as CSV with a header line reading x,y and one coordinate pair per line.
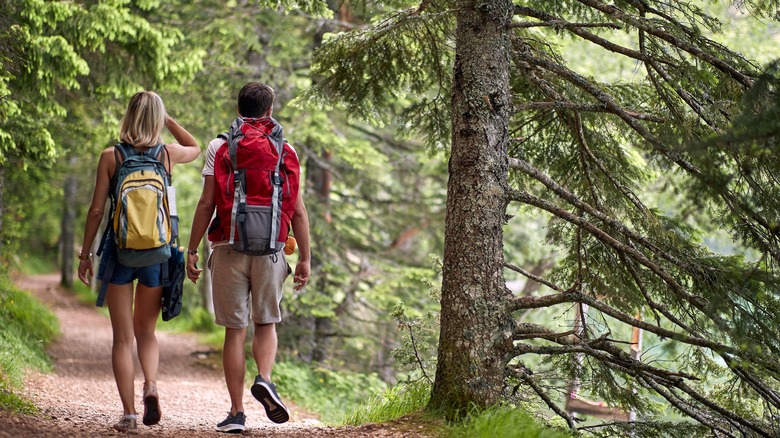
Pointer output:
x,y
241,282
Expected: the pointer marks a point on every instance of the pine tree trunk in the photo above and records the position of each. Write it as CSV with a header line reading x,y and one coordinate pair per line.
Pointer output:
x,y
475,324
68,231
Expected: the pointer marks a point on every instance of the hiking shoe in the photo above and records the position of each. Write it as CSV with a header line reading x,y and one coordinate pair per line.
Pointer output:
x,y
126,424
233,423
265,393
151,405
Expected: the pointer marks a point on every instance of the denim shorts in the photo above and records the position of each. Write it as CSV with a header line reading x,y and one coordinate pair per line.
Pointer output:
x,y
149,276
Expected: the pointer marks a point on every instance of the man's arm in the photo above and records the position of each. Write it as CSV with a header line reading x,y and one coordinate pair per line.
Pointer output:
x,y
300,226
200,222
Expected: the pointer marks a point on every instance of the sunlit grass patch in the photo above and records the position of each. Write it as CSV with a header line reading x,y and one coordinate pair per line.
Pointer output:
x,y
332,394
26,328
394,403
502,421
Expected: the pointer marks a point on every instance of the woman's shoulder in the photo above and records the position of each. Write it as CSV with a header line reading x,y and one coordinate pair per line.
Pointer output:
x,y
108,152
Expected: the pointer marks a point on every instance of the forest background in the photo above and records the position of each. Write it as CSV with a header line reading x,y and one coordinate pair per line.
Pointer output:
x,y
363,90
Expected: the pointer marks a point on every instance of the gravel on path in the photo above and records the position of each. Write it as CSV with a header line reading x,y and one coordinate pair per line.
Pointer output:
x,y
79,398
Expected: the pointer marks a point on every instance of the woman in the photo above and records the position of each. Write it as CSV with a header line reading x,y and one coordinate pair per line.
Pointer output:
x,y
141,128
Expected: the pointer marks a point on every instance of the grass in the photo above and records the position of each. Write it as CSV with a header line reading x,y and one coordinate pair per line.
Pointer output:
x,y
332,394
502,421
394,403
26,328
31,264
408,402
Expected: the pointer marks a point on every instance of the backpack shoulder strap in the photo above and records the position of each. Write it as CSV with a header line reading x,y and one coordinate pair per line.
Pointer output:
x,y
120,154
276,137
235,134
121,149
155,151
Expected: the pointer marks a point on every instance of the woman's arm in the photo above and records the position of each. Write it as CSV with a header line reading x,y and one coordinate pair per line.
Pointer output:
x,y
105,169
187,149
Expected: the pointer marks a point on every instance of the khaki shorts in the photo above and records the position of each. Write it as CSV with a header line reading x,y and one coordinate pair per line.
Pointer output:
x,y
237,277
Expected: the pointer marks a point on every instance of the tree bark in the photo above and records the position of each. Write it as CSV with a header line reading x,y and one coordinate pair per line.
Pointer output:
x,y
67,231
476,325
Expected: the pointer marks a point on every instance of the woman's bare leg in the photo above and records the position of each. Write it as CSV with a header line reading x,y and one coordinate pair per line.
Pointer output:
x,y
120,307
147,310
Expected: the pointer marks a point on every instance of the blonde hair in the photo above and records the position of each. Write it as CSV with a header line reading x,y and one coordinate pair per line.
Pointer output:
x,y
144,120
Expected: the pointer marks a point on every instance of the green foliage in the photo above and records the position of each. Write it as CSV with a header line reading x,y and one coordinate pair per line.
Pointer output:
x,y
97,51
641,99
85,294
394,403
402,59
198,319
12,402
26,329
30,227
330,393
32,264
416,354
502,421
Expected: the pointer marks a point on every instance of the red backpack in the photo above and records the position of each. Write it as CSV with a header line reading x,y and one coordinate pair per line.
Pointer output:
x,y
256,173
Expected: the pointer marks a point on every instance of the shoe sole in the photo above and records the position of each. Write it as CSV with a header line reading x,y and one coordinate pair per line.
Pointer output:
x,y
230,428
274,408
151,410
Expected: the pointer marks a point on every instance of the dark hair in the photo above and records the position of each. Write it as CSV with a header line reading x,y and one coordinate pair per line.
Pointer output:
x,y
254,99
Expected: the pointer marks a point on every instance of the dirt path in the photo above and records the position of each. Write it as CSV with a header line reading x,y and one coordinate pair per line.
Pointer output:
x,y
80,398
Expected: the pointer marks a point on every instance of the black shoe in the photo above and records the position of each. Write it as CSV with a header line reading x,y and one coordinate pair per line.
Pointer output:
x,y
233,423
265,393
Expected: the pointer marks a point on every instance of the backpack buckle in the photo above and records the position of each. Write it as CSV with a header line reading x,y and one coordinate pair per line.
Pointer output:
x,y
276,179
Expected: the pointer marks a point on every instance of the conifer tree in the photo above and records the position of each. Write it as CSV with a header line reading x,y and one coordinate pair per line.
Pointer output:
x,y
589,150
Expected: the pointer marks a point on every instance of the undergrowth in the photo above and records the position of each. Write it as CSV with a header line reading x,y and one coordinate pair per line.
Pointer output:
x,y
332,394
26,328
394,403
501,421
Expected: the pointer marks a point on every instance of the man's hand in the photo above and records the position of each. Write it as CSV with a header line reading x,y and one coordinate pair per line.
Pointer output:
x,y
302,272
193,273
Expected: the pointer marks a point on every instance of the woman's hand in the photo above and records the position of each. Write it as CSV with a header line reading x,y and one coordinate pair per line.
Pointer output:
x,y
85,267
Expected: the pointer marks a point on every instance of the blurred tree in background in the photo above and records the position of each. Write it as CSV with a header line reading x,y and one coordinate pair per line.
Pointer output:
x,y
375,199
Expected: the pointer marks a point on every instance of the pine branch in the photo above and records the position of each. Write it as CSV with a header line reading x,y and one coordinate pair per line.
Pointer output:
x,y
727,414
598,108
574,296
561,24
771,396
629,366
654,377
684,407
520,372
741,209
558,22
657,31
527,198
683,94
580,297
